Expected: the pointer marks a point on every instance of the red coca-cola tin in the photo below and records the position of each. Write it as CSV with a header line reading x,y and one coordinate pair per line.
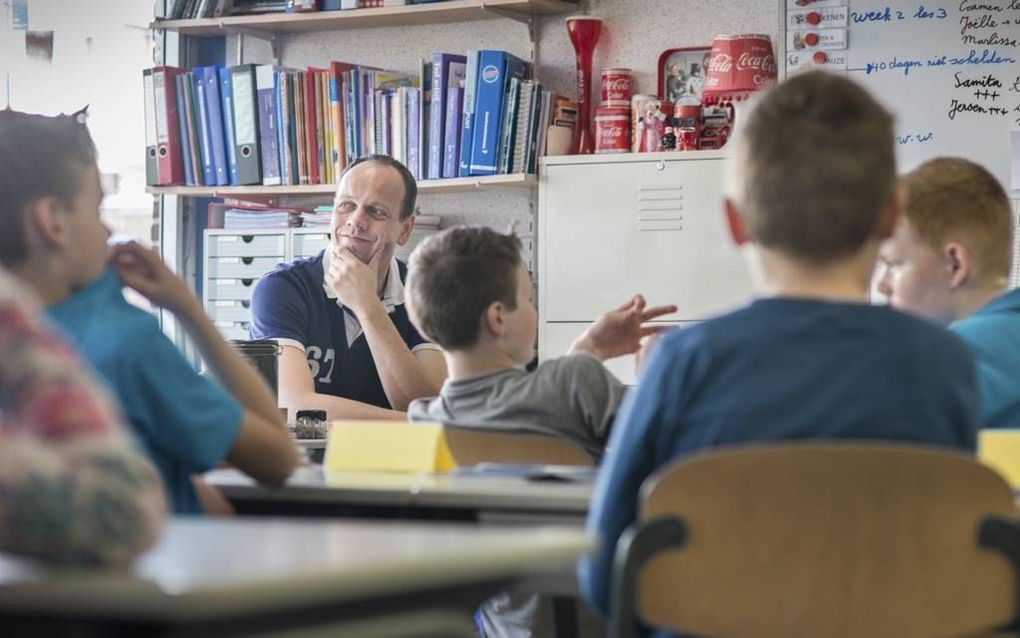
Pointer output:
x,y
612,129
616,87
738,65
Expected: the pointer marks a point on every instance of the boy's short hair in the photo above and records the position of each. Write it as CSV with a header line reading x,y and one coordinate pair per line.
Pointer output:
x,y
40,156
410,184
454,276
815,166
953,199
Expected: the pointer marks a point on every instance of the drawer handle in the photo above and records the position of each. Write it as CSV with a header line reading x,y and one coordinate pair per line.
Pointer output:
x,y
246,282
247,238
245,304
247,260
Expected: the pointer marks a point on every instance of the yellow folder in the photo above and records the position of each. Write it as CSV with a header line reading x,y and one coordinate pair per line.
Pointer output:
x,y
387,446
1000,450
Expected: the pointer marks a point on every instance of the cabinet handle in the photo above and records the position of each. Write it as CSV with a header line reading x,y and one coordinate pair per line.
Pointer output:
x,y
246,282
247,238
660,166
247,260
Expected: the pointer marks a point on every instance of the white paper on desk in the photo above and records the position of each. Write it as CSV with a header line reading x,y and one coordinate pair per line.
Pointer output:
x,y
1014,138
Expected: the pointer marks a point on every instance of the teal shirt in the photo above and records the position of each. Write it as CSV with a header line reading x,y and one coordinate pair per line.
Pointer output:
x,y
993,334
185,422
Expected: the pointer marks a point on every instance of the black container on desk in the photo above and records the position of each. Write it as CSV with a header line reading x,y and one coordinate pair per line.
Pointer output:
x,y
264,354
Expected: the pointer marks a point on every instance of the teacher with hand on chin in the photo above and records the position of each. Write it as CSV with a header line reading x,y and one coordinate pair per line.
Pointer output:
x,y
348,346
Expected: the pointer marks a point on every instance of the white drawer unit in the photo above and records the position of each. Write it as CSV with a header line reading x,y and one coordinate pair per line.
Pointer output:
x,y
610,227
240,267
234,261
309,243
229,289
233,330
229,310
255,245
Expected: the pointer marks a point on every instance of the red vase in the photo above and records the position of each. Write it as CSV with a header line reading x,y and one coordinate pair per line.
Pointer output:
x,y
584,35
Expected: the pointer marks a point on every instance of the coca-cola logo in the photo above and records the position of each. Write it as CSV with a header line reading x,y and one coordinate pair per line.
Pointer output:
x,y
764,63
617,84
614,132
720,63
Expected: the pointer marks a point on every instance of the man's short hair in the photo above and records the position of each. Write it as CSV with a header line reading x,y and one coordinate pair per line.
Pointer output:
x,y
454,276
40,156
953,199
815,166
410,185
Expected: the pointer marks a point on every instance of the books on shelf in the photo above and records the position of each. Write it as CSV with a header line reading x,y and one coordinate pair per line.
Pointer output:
x,y
264,125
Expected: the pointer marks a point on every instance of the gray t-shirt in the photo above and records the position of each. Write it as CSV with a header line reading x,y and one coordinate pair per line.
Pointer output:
x,y
572,397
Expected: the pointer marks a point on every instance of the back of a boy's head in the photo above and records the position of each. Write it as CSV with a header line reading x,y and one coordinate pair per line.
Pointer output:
x,y
454,275
815,166
40,156
953,199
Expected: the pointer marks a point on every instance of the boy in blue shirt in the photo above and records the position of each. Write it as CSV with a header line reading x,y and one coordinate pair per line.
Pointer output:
x,y
812,193
55,242
949,261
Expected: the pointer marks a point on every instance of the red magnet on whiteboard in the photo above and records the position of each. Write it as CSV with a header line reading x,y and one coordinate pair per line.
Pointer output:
x,y
819,57
814,17
811,39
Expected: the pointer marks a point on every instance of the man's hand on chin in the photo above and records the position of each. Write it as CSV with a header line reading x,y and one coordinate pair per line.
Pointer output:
x,y
355,282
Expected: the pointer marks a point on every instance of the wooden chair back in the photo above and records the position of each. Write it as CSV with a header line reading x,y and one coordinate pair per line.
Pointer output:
x,y
470,446
828,540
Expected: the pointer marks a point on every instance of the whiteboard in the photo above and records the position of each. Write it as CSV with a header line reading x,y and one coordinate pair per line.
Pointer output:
x,y
950,71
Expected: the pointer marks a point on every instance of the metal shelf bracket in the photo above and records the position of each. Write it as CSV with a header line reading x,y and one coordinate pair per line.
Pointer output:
x,y
266,36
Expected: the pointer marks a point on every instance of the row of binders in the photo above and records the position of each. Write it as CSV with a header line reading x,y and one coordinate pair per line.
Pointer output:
x,y
191,9
462,115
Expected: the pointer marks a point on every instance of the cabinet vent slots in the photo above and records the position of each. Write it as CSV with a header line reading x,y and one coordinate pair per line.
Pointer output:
x,y
660,208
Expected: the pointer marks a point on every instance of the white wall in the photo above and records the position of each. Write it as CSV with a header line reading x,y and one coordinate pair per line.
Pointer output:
x,y
99,50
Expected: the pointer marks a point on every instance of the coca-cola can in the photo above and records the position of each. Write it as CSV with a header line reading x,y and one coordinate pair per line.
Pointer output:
x,y
612,129
616,87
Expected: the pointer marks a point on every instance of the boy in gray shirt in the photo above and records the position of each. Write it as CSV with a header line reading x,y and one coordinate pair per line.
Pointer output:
x,y
469,291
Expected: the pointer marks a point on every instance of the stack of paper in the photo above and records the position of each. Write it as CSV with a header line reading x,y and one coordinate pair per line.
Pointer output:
x,y
242,219
319,218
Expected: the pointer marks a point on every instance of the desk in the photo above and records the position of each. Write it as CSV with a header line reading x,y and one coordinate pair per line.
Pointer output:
x,y
311,492
231,577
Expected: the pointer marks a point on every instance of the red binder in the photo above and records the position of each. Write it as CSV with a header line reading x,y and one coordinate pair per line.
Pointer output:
x,y
311,138
169,160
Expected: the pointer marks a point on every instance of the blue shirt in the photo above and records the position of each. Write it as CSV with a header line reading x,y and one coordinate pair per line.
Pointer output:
x,y
291,306
993,334
186,423
780,369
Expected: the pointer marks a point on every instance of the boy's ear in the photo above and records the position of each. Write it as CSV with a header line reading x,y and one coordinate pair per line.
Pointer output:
x,y
492,319
960,262
46,222
892,212
738,231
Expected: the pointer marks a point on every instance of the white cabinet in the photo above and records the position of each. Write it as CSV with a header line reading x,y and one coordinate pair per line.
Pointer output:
x,y
236,259
613,226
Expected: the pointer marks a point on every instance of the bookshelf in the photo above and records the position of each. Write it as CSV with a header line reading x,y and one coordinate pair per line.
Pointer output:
x,y
453,185
408,15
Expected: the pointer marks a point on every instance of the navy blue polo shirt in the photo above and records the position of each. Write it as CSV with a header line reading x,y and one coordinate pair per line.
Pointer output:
x,y
291,306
